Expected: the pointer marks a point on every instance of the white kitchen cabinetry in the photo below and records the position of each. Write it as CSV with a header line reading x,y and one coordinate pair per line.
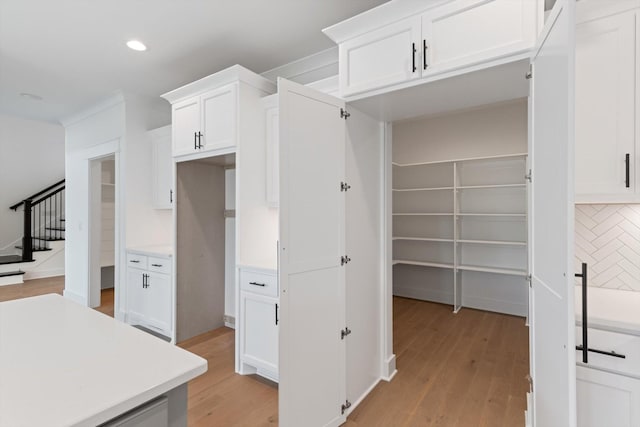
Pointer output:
x,y
607,399
149,290
606,96
206,113
379,53
161,168
270,104
259,322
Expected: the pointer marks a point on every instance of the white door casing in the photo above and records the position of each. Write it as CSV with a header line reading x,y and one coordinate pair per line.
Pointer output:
x,y
312,296
551,157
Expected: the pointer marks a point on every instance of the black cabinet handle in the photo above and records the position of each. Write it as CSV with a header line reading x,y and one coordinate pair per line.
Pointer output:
x,y
170,196
424,54
626,169
585,345
135,261
277,314
199,139
413,55
195,140
144,280
257,284
156,265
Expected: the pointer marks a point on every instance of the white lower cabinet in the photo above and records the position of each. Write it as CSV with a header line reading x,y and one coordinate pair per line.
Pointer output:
x,y
149,296
607,399
258,326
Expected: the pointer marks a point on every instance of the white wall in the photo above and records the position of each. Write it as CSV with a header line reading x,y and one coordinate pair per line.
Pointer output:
x,y
31,159
117,125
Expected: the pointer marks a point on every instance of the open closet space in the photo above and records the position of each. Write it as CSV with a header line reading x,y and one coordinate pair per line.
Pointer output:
x,y
205,242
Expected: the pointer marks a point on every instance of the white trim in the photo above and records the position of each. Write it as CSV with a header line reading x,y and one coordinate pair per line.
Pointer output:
x,y
43,274
74,297
295,70
390,370
364,395
468,159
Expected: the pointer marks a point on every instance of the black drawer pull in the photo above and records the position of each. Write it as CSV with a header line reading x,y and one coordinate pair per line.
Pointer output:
x,y
257,284
135,261
156,265
626,170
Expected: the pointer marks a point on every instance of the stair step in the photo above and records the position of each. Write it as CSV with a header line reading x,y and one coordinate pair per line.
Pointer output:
x,y
36,249
11,259
12,273
49,239
62,219
54,229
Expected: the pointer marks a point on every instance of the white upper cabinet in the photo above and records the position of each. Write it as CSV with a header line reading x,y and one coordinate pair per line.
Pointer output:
x,y
206,113
382,57
378,50
606,148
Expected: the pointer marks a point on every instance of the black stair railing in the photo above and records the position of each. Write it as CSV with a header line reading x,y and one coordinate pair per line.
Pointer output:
x,y
43,219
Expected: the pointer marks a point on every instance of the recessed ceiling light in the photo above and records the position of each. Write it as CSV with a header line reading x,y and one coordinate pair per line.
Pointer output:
x,y
136,45
31,96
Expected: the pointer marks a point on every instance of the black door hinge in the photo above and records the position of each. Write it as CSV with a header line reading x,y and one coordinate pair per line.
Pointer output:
x,y
344,259
344,332
529,74
345,406
344,186
529,176
344,114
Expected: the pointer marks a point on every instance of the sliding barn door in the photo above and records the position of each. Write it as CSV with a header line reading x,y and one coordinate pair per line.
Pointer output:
x,y
312,287
551,221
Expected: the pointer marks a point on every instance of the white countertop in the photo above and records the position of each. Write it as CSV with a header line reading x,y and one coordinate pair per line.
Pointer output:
x,y
153,250
63,364
610,309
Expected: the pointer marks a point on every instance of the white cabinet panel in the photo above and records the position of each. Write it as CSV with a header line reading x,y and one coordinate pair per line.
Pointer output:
x,y
273,162
605,106
470,31
157,300
218,122
186,125
135,301
260,327
606,399
380,58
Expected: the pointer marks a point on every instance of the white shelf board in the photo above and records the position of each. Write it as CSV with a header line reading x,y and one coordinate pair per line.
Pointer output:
x,y
473,187
424,189
424,239
423,264
493,214
468,159
422,214
495,270
492,242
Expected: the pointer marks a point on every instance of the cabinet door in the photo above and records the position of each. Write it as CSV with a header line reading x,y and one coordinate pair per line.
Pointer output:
x,y
381,58
162,173
551,219
605,106
260,331
135,298
157,301
218,111
464,32
312,295
186,125
606,399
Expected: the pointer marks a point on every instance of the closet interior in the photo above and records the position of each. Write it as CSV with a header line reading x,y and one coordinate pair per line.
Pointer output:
x,y
459,208
205,244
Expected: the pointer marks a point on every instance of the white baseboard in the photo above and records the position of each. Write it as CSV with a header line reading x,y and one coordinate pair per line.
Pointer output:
x,y
74,297
498,306
424,294
43,274
355,404
389,368
11,280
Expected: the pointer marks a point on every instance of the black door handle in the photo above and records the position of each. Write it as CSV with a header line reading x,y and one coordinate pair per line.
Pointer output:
x,y
413,55
277,314
424,54
585,346
195,140
199,139
626,169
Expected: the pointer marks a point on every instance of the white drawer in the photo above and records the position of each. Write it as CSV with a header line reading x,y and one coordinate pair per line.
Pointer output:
x,y
159,265
136,261
259,283
627,345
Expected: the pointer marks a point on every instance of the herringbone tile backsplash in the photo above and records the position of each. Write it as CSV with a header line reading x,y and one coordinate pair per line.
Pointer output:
x,y
608,240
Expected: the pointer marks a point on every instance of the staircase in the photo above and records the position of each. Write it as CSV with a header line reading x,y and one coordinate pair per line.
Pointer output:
x,y
41,251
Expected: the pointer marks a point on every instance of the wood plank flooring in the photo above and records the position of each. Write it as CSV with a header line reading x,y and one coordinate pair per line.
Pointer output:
x,y
454,370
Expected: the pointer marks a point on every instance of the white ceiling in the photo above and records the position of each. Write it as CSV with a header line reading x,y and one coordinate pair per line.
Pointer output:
x,y
72,53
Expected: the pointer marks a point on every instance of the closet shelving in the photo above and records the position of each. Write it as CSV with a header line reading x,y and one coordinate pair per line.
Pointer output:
x,y
465,215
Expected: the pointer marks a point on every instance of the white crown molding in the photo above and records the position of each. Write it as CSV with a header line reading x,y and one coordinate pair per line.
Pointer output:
x,y
295,70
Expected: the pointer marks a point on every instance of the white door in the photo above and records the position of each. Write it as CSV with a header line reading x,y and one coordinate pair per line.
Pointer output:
x,y
312,295
605,107
219,117
552,337
381,58
135,298
186,125
260,338
157,301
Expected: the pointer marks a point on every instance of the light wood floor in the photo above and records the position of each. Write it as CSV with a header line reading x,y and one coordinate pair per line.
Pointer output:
x,y
454,370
